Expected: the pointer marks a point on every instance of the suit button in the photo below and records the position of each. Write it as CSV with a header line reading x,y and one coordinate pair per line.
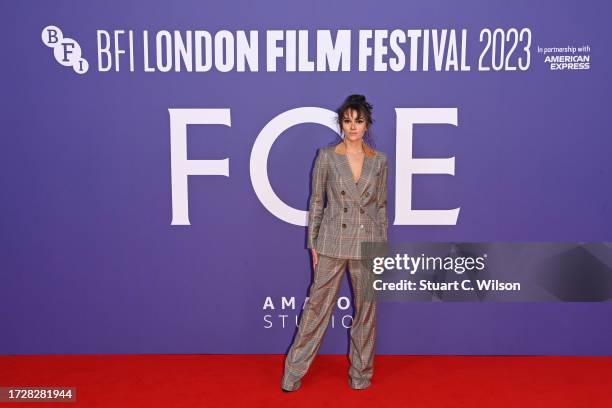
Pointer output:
x,y
342,192
361,226
367,194
361,210
345,209
343,225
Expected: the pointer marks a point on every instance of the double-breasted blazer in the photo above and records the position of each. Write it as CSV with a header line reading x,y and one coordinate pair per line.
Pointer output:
x,y
342,213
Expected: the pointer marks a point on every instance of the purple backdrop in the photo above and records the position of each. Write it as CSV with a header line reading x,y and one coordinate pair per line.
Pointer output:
x,y
91,264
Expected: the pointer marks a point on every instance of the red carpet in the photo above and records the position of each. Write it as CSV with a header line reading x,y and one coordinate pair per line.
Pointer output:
x,y
254,380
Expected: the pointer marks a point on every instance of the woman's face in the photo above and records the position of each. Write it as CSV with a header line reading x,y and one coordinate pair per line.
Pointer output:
x,y
354,125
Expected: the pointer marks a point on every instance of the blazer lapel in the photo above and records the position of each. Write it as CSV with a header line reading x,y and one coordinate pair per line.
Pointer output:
x,y
366,181
344,170
366,175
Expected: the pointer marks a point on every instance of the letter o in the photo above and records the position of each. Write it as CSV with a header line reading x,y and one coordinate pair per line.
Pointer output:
x,y
347,303
261,150
344,325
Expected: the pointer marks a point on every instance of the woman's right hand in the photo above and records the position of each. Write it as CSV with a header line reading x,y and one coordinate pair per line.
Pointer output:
x,y
315,258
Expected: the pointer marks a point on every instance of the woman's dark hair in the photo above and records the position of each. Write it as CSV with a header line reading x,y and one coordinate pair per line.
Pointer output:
x,y
359,104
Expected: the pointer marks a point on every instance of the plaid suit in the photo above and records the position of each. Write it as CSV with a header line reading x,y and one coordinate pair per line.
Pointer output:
x,y
355,213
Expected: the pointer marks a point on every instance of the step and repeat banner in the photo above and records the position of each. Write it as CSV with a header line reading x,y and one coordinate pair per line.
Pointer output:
x,y
156,170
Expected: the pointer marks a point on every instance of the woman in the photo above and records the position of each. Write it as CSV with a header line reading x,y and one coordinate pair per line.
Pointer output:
x,y
353,178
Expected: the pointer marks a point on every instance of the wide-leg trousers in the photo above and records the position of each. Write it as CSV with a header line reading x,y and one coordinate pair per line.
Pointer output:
x,y
315,319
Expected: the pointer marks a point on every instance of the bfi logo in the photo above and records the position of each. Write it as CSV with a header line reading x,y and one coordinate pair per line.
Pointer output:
x,y
406,164
65,50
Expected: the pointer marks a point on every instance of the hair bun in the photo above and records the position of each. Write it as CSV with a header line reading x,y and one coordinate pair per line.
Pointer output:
x,y
357,98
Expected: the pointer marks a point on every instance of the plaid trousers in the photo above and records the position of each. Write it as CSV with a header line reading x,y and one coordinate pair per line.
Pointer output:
x,y
316,316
